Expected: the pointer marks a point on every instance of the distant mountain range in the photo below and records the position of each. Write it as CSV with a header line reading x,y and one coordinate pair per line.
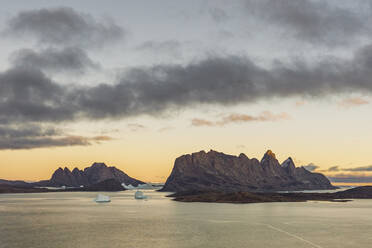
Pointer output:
x,y
98,176
216,171
200,172
96,173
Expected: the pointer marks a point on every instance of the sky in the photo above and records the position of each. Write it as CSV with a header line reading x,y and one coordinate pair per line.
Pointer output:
x,y
135,84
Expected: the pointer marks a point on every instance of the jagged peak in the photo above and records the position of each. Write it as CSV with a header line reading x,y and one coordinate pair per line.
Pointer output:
x,y
288,162
214,152
98,165
66,169
76,169
268,155
199,152
242,155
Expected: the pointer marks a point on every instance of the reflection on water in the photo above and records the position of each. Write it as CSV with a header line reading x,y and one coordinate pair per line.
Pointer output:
x,y
73,219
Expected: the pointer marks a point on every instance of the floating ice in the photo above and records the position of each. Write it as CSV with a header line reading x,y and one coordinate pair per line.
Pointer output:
x,y
102,198
139,195
140,186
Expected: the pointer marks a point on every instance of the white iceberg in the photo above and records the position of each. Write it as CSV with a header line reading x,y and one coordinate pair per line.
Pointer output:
x,y
139,186
139,195
102,198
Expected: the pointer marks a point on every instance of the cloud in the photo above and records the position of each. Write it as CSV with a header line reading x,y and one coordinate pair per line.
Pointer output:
x,y
300,103
240,118
201,122
171,47
333,168
63,26
27,94
264,116
70,59
36,136
165,129
311,167
16,131
350,178
315,22
362,168
218,14
134,127
353,102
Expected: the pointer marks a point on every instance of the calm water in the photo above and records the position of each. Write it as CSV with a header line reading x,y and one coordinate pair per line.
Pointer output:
x,y
67,220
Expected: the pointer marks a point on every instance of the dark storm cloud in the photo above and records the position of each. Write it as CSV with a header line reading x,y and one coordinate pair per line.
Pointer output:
x,y
30,130
28,136
27,94
318,22
69,59
63,26
48,141
171,47
218,14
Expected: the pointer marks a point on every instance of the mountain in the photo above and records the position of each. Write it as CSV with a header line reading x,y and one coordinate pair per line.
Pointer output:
x,y
363,192
216,171
16,183
92,175
106,185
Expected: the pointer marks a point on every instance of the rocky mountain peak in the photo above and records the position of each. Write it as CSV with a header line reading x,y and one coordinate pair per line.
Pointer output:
x,y
92,175
269,153
216,171
288,162
289,166
98,165
243,156
269,157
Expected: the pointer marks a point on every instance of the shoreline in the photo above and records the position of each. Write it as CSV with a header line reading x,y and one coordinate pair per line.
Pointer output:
x,y
363,192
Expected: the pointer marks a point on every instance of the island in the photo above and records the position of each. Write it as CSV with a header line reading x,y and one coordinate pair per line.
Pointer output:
x,y
218,172
97,177
362,192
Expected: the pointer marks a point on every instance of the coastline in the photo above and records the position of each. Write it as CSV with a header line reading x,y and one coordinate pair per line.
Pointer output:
x,y
363,192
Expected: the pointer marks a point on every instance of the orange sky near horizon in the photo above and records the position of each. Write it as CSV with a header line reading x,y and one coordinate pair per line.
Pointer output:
x,y
148,154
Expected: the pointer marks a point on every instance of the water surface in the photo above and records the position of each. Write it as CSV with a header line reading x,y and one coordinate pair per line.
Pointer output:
x,y
72,219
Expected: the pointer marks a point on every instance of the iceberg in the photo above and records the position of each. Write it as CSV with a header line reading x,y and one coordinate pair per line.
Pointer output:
x,y
102,198
140,186
139,195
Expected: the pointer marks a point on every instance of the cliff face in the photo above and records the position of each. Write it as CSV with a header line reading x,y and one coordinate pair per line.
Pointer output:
x,y
92,175
215,171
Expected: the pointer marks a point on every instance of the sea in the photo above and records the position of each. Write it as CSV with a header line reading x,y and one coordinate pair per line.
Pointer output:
x,y
74,220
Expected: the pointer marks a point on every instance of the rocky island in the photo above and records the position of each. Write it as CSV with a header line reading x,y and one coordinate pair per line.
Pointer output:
x,y
219,172
363,192
96,173
97,177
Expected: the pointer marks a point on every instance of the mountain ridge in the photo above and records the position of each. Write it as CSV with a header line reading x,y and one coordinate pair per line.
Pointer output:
x,y
92,175
205,171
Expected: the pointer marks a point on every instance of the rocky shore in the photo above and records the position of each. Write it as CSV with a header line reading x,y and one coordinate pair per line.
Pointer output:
x,y
364,192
